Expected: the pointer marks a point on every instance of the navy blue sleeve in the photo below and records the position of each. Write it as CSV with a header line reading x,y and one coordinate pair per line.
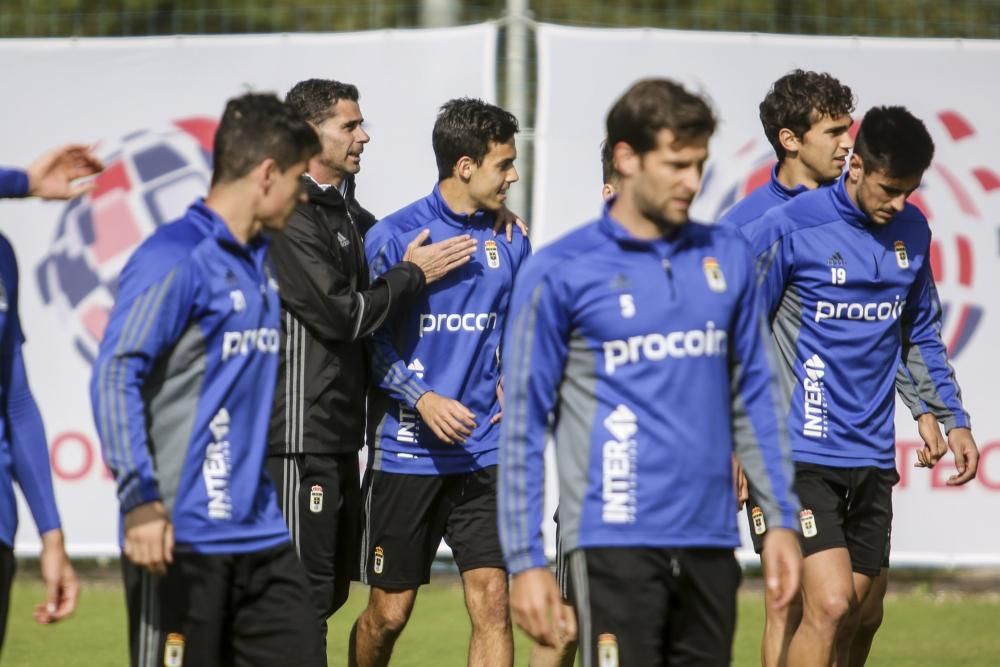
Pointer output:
x,y
388,370
536,342
29,447
154,307
925,355
760,436
13,183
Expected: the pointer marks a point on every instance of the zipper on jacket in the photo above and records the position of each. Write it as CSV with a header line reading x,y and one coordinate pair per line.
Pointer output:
x,y
668,269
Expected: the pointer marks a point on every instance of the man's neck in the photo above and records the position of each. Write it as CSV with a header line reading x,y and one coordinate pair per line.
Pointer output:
x,y
637,224
324,175
235,207
792,174
456,196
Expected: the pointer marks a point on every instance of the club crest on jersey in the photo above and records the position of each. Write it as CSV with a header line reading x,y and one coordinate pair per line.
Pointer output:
x,y
316,499
492,254
607,650
713,274
379,561
808,522
173,650
901,257
239,301
757,518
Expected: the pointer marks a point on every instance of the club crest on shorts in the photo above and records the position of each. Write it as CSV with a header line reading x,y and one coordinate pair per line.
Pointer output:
x,y
757,518
713,274
607,650
173,650
808,522
492,254
379,561
316,499
901,257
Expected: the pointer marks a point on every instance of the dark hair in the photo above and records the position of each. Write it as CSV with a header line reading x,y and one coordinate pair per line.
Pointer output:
x,y
894,141
468,126
794,101
313,98
257,126
607,162
652,105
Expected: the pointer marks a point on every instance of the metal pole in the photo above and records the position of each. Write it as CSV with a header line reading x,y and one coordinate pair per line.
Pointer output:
x,y
516,99
438,13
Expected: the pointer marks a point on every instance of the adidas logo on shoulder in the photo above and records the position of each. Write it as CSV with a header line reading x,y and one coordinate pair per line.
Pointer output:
x,y
344,242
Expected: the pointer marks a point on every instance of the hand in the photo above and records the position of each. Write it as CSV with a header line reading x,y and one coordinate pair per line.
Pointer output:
x,y
934,443
740,483
149,537
450,421
782,559
62,587
536,607
437,259
498,416
507,219
51,176
966,455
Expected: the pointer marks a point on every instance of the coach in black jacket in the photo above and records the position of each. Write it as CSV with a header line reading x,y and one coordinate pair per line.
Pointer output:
x,y
328,307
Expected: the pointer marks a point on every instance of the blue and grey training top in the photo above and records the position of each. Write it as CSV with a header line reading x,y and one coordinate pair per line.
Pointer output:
x,y
774,193
446,341
849,299
653,360
184,380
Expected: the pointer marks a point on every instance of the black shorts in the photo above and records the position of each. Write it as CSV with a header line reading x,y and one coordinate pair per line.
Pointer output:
x,y
655,607
233,610
405,516
320,496
8,565
841,507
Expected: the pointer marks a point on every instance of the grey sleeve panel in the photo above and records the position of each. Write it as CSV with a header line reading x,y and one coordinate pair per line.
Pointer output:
x,y
746,442
785,328
171,393
907,390
576,414
927,390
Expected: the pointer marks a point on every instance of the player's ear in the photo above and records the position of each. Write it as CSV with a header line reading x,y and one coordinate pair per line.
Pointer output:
x,y
855,168
265,174
626,160
464,168
789,141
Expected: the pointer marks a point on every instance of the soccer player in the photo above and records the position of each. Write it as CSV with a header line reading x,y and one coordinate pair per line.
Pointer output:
x,y
329,307
563,654
807,119
434,432
846,280
641,336
23,446
182,392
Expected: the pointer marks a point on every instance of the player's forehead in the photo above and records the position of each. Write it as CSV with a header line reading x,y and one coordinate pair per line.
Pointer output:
x,y
823,122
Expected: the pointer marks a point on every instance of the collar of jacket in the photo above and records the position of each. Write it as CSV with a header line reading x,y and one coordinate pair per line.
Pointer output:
x,y
663,245
212,224
460,220
846,208
778,188
327,196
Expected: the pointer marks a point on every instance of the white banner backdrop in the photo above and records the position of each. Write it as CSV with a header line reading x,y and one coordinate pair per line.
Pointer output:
x,y
151,106
946,83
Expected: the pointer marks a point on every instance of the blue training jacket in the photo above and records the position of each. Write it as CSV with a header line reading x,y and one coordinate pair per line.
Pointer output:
x,y
184,380
653,359
24,454
447,341
848,300
13,183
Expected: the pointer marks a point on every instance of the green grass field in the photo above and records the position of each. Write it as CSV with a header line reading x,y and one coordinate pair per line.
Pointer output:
x,y
921,629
